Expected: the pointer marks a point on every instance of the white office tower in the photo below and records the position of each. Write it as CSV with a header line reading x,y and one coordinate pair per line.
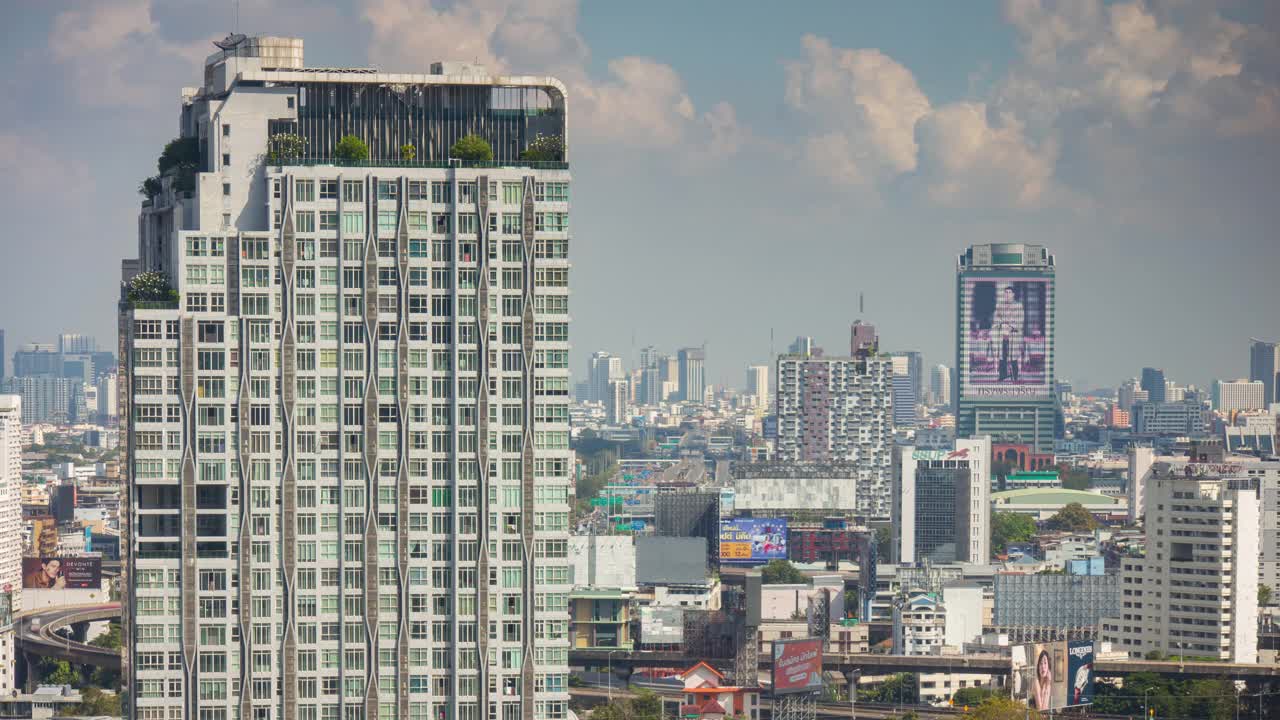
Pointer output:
x,y
10,532
1140,461
940,385
348,437
835,409
1196,590
941,503
1231,395
603,369
758,385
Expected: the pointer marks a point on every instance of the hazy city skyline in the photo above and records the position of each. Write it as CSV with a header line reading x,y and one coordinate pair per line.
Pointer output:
x,y
871,153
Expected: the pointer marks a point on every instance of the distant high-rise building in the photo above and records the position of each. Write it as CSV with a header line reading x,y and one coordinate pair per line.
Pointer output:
x,y
1194,592
1153,381
72,343
348,490
615,401
10,527
1176,419
604,368
839,409
1005,344
941,503
650,389
108,408
915,371
1264,365
1130,393
904,397
863,340
940,385
758,385
693,382
802,345
37,359
48,399
1231,395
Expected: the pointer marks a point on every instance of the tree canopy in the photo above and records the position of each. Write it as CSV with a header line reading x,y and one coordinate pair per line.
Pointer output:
x,y
646,705
472,148
1001,708
545,148
1010,527
1073,517
351,149
782,572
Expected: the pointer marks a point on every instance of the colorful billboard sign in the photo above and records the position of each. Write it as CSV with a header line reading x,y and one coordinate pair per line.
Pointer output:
x,y
1039,674
1008,344
1080,672
61,573
753,540
797,666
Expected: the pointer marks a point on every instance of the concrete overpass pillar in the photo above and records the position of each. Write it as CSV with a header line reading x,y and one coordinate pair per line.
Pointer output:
x,y
27,673
80,631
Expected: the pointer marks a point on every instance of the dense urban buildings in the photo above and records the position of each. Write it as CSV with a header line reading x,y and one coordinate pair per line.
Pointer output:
x,y
1005,344
941,503
1195,591
10,533
348,440
839,409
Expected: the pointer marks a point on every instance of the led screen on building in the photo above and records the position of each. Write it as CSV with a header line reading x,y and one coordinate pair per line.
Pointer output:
x,y
753,540
62,573
1008,343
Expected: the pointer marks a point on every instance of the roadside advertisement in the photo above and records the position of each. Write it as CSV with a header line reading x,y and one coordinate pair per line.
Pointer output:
x,y
1008,344
1039,674
1080,672
61,573
797,666
753,540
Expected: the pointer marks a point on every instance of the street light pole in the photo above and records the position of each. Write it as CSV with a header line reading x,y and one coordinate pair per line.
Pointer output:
x,y
609,672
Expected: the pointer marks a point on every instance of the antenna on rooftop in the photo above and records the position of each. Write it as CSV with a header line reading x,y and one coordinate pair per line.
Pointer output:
x,y
860,304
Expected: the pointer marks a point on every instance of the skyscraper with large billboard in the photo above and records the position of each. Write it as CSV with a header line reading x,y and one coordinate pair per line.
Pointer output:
x,y
346,416
1005,344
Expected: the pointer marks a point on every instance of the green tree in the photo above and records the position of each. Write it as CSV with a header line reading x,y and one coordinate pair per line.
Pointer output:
x,y
884,538
1001,708
180,153
1010,527
472,148
60,673
545,148
94,701
646,705
285,146
781,572
1264,595
150,187
109,640
151,287
1073,517
1073,478
972,696
408,152
351,149
899,688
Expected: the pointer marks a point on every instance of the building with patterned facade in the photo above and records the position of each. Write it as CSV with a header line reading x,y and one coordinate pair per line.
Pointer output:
x,y
347,438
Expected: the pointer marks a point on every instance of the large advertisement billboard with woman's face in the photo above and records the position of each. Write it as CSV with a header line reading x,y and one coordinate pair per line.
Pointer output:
x,y
1039,674
1008,341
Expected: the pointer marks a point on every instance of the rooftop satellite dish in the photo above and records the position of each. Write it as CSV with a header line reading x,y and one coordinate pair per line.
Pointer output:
x,y
231,41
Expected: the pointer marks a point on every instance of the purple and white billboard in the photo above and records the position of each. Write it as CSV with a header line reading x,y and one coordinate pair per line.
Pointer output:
x,y
1008,341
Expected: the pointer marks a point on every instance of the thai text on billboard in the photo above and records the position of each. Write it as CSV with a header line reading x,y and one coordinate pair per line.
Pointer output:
x,y
61,573
1008,342
753,540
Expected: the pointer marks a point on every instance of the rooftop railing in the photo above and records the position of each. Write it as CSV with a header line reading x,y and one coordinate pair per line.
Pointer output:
x,y
465,164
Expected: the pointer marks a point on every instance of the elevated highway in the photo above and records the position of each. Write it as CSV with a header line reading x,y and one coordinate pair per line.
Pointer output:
x,y
35,636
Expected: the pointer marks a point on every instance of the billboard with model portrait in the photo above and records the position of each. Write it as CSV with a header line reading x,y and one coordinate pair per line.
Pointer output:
x,y
1008,343
62,573
1039,674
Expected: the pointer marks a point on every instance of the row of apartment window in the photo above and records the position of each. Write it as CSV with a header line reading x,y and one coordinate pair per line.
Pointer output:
x,y
439,192
254,249
353,222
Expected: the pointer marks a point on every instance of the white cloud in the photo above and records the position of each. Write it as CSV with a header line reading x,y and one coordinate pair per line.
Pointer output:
x,y
864,106
966,160
641,104
116,57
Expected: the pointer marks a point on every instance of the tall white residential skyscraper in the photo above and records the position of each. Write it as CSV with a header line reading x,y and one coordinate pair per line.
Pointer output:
x,y
839,409
758,385
940,384
10,531
348,437
604,369
941,503
1195,592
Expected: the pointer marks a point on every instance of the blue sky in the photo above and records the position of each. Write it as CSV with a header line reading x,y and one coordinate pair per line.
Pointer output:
x,y
747,167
